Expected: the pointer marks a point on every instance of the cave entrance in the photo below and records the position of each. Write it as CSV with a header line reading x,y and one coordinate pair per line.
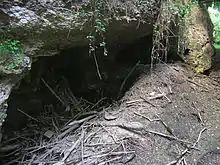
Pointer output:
x,y
68,84
67,87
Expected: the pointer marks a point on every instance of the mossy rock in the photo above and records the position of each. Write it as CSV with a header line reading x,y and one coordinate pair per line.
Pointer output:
x,y
201,60
197,35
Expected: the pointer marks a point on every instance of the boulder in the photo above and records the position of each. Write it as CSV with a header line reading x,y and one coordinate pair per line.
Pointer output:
x,y
196,38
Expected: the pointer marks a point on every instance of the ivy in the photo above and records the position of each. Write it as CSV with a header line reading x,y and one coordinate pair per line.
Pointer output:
x,y
99,27
184,9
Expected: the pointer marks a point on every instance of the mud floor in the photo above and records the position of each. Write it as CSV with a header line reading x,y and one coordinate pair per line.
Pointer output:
x,y
169,116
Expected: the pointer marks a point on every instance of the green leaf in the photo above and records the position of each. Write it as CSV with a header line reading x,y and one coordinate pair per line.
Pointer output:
x,y
11,66
102,43
90,37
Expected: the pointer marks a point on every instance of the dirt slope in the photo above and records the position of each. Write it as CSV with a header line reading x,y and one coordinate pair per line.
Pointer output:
x,y
172,101
169,116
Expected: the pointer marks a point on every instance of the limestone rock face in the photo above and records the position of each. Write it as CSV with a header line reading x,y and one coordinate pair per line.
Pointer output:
x,y
198,35
46,27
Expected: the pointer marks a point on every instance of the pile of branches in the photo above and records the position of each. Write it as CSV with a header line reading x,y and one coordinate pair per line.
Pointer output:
x,y
65,138
77,136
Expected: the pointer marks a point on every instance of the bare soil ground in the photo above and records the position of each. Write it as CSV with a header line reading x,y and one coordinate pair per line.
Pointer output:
x,y
169,116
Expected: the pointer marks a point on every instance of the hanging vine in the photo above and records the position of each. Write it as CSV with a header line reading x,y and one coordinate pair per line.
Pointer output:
x,y
167,28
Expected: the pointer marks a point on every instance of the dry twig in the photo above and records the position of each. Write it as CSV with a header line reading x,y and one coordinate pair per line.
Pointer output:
x,y
97,66
165,95
82,145
181,158
197,84
157,119
134,101
32,118
126,78
109,154
147,101
145,117
142,131
70,150
53,92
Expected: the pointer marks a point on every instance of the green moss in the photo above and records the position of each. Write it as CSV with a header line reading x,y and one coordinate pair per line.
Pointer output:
x,y
11,54
201,61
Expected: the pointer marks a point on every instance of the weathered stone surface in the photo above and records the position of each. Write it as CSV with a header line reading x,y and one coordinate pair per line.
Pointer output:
x,y
6,85
45,27
197,34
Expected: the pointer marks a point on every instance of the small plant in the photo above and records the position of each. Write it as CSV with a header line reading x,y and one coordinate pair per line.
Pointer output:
x,y
96,12
99,28
10,50
184,8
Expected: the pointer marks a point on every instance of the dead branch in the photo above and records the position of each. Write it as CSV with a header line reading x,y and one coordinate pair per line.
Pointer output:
x,y
74,100
74,125
110,154
82,145
172,163
145,117
166,126
160,95
165,95
198,113
97,66
126,78
109,133
157,119
181,158
32,118
169,137
72,128
53,92
70,150
134,101
32,159
97,103
81,121
15,161
142,131
147,101
109,161
197,84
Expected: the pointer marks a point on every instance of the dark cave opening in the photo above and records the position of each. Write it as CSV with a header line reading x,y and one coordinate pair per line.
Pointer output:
x,y
75,70
72,74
